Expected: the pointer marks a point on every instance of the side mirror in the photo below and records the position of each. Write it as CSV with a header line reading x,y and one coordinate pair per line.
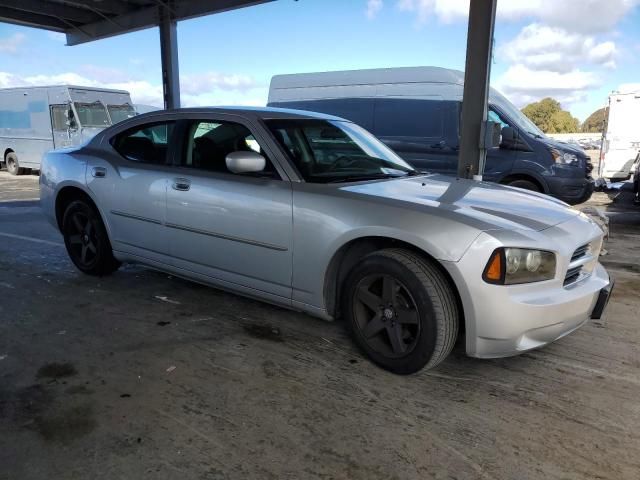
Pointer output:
x,y
491,134
245,162
511,140
508,135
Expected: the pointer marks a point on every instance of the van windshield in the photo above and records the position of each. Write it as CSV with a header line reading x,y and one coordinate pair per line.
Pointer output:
x,y
516,116
92,114
326,151
118,113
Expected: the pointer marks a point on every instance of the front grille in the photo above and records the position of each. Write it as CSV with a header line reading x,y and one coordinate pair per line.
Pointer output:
x,y
573,274
580,252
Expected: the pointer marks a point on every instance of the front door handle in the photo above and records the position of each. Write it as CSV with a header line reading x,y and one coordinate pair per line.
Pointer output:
x,y
181,184
99,172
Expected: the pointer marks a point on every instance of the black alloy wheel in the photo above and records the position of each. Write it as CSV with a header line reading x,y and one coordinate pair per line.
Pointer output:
x,y
401,309
86,240
82,239
386,314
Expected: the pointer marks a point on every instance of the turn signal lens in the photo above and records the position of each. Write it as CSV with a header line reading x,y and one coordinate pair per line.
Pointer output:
x,y
494,271
511,266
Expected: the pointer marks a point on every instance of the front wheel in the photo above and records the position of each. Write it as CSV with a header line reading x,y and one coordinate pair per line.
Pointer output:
x,y
524,184
13,167
86,240
401,310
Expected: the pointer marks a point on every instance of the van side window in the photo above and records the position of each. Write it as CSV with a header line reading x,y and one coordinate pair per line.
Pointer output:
x,y
399,117
92,114
59,117
145,143
495,117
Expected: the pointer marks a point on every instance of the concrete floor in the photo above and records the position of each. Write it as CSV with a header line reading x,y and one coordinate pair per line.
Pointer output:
x,y
141,375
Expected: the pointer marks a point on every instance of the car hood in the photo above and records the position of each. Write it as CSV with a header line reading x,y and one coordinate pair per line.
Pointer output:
x,y
486,206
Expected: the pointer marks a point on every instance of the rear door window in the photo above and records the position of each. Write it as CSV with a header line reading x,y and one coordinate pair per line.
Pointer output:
x,y
145,143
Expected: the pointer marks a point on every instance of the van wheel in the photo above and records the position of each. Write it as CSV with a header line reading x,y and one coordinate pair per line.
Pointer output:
x,y
524,184
401,310
13,167
87,241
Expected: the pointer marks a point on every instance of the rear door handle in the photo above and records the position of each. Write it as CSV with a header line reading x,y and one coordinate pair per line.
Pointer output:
x,y
99,172
181,184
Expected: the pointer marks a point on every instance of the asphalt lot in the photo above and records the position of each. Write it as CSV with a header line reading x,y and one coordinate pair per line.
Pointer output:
x,y
141,375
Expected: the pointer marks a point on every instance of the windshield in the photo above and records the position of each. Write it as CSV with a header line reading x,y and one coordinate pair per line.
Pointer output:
x,y
92,114
336,151
119,113
516,116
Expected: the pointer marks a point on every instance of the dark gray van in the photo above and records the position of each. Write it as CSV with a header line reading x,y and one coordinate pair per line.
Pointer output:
x,y
416,111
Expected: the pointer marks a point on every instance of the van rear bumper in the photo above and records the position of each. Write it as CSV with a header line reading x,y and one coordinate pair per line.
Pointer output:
x,y
570,190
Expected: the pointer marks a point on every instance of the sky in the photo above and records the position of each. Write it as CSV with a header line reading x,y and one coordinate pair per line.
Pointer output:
x,y
576,51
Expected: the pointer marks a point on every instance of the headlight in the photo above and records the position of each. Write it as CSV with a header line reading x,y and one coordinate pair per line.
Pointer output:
x,y
564,158
510,266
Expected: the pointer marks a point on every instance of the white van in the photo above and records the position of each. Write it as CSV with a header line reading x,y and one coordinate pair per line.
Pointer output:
x,y
622,139
34,120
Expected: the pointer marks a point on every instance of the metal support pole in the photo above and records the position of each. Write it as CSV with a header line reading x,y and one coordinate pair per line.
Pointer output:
x,y
472,155
169,55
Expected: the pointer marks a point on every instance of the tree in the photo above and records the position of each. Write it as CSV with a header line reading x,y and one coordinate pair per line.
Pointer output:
x,y
548,115
595,122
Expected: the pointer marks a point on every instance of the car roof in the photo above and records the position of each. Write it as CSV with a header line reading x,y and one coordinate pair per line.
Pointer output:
x,y
264,113
250,113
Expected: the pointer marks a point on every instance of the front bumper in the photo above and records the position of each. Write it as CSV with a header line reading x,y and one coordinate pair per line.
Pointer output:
x,y
570,190
532,321
505,320
603,300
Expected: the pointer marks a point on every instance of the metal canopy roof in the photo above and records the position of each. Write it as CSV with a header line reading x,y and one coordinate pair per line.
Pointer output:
x,y
87,20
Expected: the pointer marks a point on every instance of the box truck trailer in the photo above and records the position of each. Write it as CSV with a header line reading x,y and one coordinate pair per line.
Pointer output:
x,y
621,143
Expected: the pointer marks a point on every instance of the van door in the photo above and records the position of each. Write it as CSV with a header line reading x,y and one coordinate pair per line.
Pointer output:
x,y
422,131
61,131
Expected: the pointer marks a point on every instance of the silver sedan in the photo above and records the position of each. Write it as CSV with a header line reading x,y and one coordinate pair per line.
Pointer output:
x,y
312,212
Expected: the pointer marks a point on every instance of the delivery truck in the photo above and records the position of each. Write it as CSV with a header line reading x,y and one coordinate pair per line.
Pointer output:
x,y
34,120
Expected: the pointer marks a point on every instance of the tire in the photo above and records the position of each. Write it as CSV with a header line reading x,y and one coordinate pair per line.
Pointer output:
x,y
86,240
524,184
418,327
13,167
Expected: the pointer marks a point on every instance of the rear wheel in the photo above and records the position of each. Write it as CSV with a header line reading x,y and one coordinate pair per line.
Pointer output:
x,y
86,240
401,310
524,184
13,167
